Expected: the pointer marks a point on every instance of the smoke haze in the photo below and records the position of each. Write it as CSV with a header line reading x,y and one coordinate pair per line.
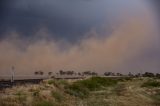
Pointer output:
x,y
133,39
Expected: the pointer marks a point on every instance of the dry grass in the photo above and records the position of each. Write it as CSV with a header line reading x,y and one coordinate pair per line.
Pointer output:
x,y
53,93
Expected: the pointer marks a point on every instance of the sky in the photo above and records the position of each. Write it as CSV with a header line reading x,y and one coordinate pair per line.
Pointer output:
x,y
80,35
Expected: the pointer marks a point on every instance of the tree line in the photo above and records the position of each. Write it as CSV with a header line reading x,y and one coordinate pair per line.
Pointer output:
x,y
92,73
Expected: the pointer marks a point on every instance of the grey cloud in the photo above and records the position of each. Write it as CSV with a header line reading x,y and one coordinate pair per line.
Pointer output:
x,y
132,43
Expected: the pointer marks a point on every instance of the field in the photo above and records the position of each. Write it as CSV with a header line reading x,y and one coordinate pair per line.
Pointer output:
x,y
95,91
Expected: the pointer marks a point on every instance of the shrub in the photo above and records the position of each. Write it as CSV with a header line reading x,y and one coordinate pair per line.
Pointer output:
x,y
51,82
44,103
36,93
77,89
21,97
81,88
128,78
63,82
58,96
96,83
158,75
148,74
58,83
151,83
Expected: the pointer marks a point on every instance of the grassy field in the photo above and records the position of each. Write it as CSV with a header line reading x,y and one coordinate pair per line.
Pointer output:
x,y
95,91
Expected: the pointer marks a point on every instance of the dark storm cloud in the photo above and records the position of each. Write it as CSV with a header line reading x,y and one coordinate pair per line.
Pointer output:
x,y
126,43
66,19
61,18
130,40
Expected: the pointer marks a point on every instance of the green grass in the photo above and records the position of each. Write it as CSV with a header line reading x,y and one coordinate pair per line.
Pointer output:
x,y
51,82
36,93
44,103
82,88
58,83
58,96
151,83
96,83
77,89
21,97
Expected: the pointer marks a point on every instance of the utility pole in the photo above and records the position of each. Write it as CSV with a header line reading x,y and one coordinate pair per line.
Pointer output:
x,y
141,71
12,74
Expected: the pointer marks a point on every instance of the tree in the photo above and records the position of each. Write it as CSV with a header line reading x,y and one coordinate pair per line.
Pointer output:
x,y
130,74
61,72
36,73
109,74
158,75
94,74
70,72
79,74
41,72
119,74
49,73
138,75
148,74
106,73
87,73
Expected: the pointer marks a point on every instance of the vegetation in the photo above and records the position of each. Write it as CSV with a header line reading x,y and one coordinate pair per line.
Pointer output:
x,y
58,96
93,91
81,88
44,103
151,83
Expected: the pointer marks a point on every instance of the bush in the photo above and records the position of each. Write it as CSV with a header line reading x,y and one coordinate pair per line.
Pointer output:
x,y
158,75
148,74
151,83
96,83
78,90
58,96
58,83
81,88
44,103
36,93
51,82
21,97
